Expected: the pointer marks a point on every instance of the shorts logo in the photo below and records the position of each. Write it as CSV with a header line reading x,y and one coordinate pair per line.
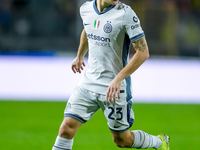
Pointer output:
x,y
135,19
107,27
117,126
68,106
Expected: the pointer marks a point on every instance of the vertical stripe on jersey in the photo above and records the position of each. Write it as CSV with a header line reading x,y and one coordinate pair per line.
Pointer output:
x,y
98,24
125,53
95,23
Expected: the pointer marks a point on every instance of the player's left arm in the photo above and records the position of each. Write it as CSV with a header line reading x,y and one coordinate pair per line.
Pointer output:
x,y
141,55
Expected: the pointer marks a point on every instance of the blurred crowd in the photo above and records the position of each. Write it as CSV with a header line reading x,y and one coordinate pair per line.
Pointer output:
x,y
172,27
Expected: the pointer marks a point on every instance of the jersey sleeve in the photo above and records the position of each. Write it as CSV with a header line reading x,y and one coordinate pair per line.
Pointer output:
x,y
132,25
81,10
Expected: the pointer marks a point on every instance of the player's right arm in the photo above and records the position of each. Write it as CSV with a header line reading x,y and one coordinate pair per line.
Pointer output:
x,y
78,63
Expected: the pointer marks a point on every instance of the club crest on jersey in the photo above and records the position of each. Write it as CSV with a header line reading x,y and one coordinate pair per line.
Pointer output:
x,y
107,27
96,24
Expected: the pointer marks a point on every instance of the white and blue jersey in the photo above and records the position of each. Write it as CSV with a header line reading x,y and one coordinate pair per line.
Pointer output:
x,y
109,36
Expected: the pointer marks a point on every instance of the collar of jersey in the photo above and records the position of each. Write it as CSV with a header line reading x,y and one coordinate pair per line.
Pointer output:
x,y
106,10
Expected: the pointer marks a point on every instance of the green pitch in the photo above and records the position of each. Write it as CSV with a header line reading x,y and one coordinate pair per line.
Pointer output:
x,y
34,126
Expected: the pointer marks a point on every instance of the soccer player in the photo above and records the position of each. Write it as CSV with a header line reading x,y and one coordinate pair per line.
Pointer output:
x,y
109,28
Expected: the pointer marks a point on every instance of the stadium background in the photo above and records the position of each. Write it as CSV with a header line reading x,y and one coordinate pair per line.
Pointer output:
x,y
38,41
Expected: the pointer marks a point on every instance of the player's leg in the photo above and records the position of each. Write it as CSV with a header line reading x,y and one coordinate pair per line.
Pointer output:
x,y
120,118
80,108
124,139
136,139
69,127
67,131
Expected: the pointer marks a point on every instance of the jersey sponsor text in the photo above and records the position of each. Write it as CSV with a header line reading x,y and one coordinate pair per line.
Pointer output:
x,y
98,38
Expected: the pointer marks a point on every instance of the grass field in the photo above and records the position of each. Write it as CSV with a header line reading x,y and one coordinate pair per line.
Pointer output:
x,y
34,126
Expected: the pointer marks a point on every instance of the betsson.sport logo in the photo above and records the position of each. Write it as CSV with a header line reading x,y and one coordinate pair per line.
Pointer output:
x,y
100,41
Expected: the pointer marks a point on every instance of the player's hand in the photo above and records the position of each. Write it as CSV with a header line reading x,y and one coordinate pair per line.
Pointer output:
x,y
113,88
77,65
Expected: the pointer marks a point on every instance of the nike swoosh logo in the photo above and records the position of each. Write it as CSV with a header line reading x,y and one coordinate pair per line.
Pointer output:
x,y
117,126
85,24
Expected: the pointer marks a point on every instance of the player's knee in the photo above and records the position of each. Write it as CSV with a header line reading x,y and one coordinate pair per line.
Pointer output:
x,y
66,130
